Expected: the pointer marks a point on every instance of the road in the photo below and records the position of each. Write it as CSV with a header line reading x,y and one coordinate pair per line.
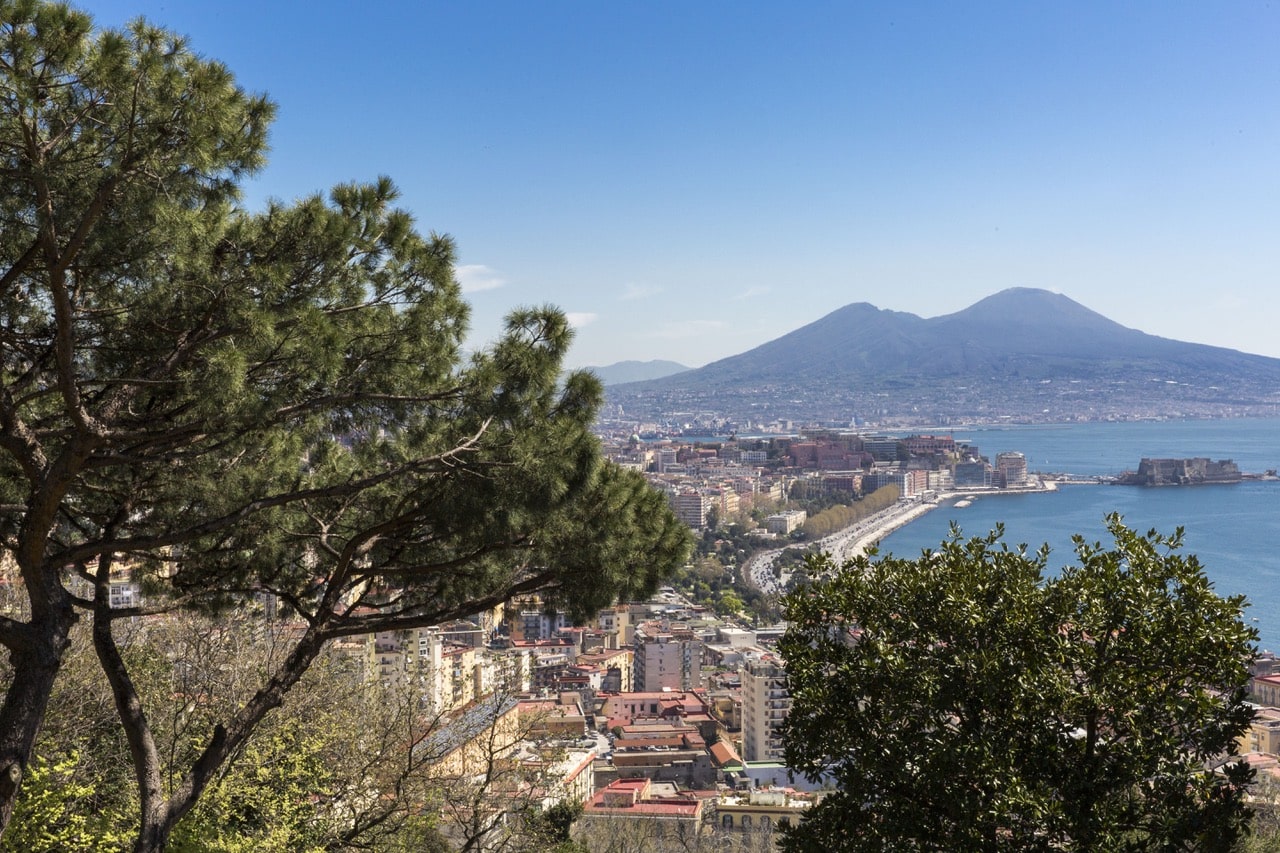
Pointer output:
x,y
842,545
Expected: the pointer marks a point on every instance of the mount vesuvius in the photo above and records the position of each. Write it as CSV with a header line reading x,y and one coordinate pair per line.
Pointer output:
x,y
1022,354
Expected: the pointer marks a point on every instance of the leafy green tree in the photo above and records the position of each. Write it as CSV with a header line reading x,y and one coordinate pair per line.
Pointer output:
x,y
554,823
967,700
52,817
273,800
106,144
729,604
227,404
335,768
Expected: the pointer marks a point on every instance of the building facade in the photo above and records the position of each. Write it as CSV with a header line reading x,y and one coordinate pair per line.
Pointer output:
x,y
667,662
1012,467
766,701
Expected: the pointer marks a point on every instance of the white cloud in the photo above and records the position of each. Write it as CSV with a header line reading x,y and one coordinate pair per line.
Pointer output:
x,y
639,291
578,319
474,278
752,292
688,328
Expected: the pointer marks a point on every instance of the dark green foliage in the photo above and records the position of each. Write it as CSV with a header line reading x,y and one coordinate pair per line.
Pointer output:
x,y
229,403
552,826
966,700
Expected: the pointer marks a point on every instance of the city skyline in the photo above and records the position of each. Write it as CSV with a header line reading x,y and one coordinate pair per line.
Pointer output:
x,y
687,183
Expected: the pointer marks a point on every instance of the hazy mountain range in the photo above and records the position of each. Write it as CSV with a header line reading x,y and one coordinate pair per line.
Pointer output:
x,y
1022,353
636,371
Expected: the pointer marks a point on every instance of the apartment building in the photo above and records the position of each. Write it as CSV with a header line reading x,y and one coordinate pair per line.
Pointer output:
x,y
649,815
691,506
1012,468
762,811
1263,734
972,475
536,624
1266,689
766,701
615,623
617,668
783,523
665,661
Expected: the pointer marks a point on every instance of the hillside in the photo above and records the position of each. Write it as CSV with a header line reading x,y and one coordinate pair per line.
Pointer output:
x,y
1021,354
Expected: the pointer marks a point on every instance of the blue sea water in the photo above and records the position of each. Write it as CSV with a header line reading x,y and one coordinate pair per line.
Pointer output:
x,y
1234,529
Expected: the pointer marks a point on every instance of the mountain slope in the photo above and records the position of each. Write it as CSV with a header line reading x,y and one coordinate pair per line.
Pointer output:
x,y
991,354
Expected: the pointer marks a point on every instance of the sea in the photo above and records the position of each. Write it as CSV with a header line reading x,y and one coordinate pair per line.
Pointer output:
x,y
1234,529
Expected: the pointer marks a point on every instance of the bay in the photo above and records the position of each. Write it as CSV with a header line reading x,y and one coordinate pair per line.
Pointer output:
x,y
1233,529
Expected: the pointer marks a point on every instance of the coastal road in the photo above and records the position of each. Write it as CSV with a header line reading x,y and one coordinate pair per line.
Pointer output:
x,y
842,545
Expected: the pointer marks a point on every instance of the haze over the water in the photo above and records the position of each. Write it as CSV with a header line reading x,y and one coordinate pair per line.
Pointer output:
x,y
688,181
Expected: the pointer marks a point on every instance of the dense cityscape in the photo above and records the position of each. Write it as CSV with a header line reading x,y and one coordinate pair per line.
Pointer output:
x,y
663,718
307,544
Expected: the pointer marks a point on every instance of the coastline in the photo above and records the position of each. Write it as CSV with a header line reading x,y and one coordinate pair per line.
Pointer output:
x,y
854,541
872,530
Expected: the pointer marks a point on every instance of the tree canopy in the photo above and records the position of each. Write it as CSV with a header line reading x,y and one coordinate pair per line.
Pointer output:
x,y
969,699
226,404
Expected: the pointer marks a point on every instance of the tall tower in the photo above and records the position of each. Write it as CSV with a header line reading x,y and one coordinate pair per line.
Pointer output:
x,y
766,701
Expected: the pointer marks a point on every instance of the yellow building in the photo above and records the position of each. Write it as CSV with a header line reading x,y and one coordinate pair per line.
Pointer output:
x,y
465,744
618,667
1263,734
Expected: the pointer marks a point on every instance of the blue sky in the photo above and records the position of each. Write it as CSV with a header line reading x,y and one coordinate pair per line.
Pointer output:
x,y
690,180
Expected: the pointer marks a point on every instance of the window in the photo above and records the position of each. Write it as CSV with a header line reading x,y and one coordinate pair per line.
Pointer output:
x,y
727,821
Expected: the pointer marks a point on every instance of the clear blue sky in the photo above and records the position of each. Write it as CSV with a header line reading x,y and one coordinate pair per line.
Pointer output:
x,y
691,179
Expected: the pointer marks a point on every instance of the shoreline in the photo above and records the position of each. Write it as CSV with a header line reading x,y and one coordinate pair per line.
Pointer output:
x,y
854,541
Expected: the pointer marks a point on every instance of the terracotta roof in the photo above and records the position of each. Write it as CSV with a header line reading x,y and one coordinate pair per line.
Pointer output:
x,y
627,797
723,754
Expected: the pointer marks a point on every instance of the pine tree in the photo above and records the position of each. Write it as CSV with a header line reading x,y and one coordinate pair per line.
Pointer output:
x,y
227,403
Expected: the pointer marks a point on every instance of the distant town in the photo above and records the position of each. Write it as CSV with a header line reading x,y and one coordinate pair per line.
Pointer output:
x,y
728,476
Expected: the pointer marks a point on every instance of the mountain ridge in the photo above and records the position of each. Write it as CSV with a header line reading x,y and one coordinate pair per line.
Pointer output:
x,y
862,357
636,371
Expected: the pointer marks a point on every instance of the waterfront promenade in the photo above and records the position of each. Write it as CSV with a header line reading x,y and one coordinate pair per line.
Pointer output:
x,y
854,540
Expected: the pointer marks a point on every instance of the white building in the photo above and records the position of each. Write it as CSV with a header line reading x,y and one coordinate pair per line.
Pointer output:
x,y
665,662
766,701
783,523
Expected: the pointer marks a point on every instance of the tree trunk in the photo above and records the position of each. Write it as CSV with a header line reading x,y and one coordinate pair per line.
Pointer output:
x,y
36,659
153,837
153,827
158,813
